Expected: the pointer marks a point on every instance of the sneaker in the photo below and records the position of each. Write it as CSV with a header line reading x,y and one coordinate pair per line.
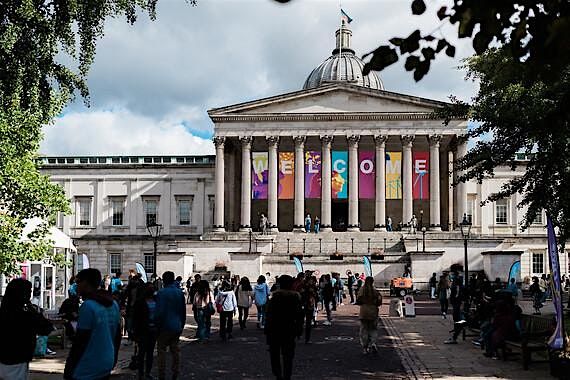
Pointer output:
x,y
450,341
327,323
365,351
476,343
444,316
50,352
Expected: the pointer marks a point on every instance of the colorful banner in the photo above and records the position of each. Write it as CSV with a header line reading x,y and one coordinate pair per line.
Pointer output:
x,y
393,175
420,176
557,340
286,189
366,175
259,175
313,174
339,176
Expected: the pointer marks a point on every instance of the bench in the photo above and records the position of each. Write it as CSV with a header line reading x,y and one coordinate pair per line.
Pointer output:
x,y
536,329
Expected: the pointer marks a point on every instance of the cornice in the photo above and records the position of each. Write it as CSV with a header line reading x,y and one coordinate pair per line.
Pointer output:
x,y
344,116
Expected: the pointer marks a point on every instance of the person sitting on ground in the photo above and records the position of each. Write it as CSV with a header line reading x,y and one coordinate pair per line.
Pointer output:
x,y
370,301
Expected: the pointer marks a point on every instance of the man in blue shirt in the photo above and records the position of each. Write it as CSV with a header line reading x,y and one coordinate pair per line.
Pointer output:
x,y
98,337
170,320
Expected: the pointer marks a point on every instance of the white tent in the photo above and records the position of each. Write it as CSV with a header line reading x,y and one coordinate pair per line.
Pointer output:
x,y
60,240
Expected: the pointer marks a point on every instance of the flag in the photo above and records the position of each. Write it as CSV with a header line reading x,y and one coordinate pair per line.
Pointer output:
x,y
298,264
556,341
141,271
367,266
345,17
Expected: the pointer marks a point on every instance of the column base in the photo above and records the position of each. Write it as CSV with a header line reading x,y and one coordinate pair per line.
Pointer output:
x,y
298,229
273,229
325,229
353,229
218,229
244,229
380,229
434,228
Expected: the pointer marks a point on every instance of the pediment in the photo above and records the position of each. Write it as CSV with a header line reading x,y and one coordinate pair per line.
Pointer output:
x,y
332,98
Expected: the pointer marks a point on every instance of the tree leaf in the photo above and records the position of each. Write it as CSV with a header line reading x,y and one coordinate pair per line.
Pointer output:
x,y
382,57
411,43
441,44
450,51
396,41
411,62
418,7
441,13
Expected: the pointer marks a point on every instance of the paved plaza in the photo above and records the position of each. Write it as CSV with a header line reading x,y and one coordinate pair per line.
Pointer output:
x,y
409,348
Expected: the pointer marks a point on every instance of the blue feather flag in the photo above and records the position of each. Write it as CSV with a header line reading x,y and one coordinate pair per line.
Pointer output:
x,y
367,266
140,269
298,264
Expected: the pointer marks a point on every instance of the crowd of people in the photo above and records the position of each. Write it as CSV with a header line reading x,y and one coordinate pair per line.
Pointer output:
x,y
100,312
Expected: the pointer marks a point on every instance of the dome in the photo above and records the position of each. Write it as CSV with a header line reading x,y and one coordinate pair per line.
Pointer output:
x,y
343,66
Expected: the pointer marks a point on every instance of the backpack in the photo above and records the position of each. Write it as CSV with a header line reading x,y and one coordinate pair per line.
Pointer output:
x,y
220,305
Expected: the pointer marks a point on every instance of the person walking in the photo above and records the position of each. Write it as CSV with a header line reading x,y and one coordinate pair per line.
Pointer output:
x,y
263,224
443,295
328,296
244,296
309,297
20,323
96,344
170,321
413,224
284,323
145,330
389,224
261,295
317,224
308,223
227,304
370,301
203,310
456,298
433,285
188,287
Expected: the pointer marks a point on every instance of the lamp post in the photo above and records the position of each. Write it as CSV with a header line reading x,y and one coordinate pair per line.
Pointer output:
x,y
421,218
465,231
154,231
423,239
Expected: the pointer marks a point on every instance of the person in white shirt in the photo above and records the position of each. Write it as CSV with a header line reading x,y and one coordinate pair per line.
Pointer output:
x,y
226,304
244,294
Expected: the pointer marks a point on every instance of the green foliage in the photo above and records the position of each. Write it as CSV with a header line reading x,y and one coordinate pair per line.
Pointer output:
x,y
36,37
523,114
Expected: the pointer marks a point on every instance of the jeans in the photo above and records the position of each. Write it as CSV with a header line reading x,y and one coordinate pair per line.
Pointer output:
x,y
432,292
170,340
145,353
368,332
309,314
327,304
317,228
204,322
443,302
307,227
282,348
243,314
226,324
351,293
261,315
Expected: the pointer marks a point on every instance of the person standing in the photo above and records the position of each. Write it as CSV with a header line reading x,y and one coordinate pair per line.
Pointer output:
x,y
170,321
309,297
261,295
456,298
96,345
228,305
350,283
308,223
369,300
413,224
328,296
145,330
389,225
116,284
442,294
433,285
244,296
317,224
284,323
20,323
203,310
188,287
263,224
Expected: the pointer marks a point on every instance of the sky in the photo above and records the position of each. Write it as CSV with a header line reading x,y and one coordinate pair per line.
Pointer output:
x,y
153,82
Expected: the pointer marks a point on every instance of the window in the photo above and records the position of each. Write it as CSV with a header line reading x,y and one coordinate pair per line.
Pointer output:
x,y
84,208
470,209
118,210
501,207
538,218
538,262
184,212
151,211
115,263
149,262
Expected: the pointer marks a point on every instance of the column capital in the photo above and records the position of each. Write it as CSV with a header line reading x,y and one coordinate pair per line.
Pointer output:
x,y
380,140
353,140
272,141
326,140
407,140
219,141
246,141
434,140
299,141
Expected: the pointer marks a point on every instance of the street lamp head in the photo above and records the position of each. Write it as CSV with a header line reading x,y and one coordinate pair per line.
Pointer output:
x,y
423,229
465,227
154,230
421,212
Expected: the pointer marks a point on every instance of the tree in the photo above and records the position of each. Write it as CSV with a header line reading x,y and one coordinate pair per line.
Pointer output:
x,y
34,87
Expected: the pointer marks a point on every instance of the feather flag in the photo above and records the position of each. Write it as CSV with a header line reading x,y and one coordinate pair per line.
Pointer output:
x,y
515,271
367,266
298,264
557,340
140,269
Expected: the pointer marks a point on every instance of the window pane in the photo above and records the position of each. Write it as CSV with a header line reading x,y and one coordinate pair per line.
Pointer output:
x,y
537,263
184,212
115,263
501,211
538,218
118,206
149,262
85,212
150,212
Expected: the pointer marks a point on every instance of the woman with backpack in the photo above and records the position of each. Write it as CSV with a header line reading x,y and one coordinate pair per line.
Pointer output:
x,y
244,294
369,300
204,309
261,294
227,306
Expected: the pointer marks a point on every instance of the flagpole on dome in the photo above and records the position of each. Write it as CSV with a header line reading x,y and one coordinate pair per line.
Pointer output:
x,y
340,43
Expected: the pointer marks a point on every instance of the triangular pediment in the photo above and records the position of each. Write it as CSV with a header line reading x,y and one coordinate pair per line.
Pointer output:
x,y
332,98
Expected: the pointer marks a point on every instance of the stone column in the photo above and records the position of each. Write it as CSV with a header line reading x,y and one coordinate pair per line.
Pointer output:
x,y
353,183
461,186
434,195
299,217
407,193
450,191
326,142
380,202
272,142
245,222
219,178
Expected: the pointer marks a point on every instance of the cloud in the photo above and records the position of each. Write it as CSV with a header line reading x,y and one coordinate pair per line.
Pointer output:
x,y
121,132
169,72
